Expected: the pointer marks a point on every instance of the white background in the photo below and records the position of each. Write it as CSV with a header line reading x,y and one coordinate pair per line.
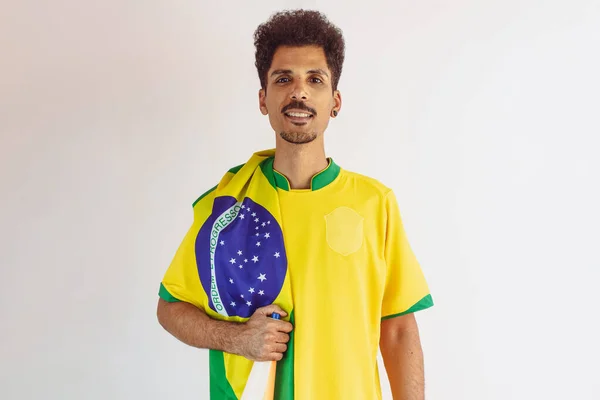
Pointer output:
x,y
481,115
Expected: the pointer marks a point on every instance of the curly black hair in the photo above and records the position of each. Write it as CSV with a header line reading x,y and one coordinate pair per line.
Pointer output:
x,y
298,28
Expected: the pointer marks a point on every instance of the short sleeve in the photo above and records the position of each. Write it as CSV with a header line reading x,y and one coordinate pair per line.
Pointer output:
x,y
406,289
181,281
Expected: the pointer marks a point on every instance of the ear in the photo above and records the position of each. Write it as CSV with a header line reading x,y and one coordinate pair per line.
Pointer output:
x,y
262,101
337,102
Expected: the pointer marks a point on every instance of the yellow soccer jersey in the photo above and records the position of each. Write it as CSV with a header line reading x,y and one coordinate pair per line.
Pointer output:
x,y
350,266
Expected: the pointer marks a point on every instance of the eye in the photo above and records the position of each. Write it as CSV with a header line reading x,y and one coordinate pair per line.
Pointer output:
x,y
316,80
282,80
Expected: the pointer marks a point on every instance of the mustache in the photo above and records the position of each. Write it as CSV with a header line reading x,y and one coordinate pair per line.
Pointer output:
x,y
298,105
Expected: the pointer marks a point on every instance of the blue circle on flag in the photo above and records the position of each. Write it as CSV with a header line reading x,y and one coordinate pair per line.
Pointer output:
x,y
241,257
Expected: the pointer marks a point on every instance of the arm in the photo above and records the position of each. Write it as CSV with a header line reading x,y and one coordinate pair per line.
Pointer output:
x,y
403,357
193,327
259,339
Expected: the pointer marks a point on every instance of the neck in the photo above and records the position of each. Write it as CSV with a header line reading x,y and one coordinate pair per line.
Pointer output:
x,y
300,162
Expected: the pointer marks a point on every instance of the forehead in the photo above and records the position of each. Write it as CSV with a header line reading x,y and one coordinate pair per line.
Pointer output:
x,y
299,58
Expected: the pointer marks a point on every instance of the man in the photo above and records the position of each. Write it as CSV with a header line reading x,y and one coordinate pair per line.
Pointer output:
x,y
329,254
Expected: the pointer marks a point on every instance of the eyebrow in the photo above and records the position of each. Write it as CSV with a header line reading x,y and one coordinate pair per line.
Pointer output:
x,y
289,71
318,71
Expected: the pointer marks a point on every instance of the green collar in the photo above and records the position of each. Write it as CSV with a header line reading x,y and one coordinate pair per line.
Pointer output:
x,y
319,181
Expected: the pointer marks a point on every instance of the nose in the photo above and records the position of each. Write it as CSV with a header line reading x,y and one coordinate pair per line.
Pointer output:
x,y
299,91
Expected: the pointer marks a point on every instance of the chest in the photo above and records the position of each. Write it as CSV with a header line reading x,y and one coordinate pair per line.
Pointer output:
x,y
334,245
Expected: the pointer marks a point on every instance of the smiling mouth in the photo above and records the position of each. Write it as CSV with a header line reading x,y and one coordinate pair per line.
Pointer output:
x,y
298,118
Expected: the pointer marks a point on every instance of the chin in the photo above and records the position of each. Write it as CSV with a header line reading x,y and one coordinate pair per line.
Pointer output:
x,y
298,137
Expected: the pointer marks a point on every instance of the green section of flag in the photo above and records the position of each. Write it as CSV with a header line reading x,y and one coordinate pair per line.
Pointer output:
x,y
235,170
267,168
220,389
284,376
204,195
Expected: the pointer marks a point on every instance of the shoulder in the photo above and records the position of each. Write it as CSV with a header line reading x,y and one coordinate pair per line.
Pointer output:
x,y
210,193
365,185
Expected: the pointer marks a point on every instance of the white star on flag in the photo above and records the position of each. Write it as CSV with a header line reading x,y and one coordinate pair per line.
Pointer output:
x,y
243,206
248,285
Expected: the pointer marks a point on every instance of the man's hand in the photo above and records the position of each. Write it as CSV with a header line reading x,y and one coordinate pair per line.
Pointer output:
x,y
263,338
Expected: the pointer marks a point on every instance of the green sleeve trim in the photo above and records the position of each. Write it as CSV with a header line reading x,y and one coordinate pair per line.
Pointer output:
x,y
165,295
422,304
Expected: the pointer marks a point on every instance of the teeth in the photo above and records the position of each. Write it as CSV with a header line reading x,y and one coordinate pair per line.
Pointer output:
x,y
300,115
